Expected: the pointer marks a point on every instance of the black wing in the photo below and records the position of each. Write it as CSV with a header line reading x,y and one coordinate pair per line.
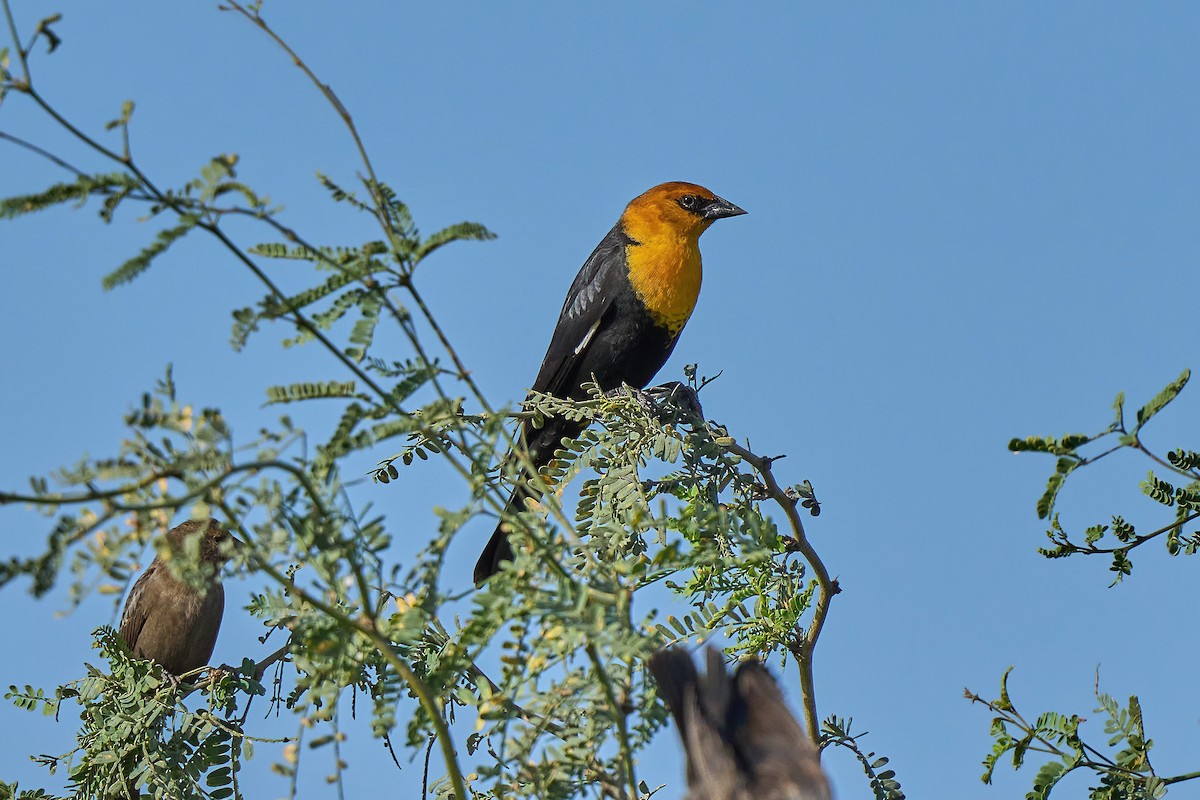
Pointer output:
x,y
599,281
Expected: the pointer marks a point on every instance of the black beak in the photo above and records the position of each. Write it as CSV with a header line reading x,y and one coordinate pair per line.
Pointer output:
x,y
720,208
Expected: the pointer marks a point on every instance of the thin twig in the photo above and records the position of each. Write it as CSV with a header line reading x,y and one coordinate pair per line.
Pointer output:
x,y
1139,539
619,717
366,627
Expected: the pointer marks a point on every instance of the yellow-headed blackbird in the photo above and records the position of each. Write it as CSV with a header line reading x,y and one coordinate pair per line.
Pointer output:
x,y
170,621
741,741
621,318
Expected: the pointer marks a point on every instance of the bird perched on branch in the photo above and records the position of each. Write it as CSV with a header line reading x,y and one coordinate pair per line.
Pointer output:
x,y
741,741
169,620
621,319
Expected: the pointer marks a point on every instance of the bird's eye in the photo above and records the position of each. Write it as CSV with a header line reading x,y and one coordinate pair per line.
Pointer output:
x,y
690,202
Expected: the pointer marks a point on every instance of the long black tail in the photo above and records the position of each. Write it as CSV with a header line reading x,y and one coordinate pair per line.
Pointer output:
x,y
497,549
540,443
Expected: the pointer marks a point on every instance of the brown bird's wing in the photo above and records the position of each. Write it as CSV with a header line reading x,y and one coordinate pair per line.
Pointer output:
x,y
741,741
601,278
145,596
713,771
676,677
692,707
784,761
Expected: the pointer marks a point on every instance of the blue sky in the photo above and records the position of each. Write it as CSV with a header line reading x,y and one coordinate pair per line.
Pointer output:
x,y
967,222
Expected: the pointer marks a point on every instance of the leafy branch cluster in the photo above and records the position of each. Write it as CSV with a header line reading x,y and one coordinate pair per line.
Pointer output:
x,y
1122,766
835,732
1119,537
134,723
539,674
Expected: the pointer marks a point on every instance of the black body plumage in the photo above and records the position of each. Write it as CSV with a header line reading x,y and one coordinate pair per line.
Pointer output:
x,y
603,333
620,321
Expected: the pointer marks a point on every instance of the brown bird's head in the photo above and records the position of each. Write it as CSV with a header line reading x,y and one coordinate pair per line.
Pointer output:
x,y
684,208
213,544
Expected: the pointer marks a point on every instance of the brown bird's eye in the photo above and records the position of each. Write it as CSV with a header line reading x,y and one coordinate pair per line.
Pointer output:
x,y
690,202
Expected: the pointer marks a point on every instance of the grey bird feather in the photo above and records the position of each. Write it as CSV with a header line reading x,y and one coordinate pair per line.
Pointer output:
x,y
173,621
740,739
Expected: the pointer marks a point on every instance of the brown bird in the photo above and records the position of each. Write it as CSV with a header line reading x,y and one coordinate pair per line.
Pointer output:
x,y
740,739
170,621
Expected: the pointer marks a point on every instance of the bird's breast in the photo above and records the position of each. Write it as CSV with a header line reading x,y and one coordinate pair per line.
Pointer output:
x,y
666,274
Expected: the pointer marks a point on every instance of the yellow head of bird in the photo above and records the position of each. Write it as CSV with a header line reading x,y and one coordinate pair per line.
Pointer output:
x,y
678,208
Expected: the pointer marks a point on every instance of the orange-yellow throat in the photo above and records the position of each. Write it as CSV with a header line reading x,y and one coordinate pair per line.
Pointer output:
x,y
665,271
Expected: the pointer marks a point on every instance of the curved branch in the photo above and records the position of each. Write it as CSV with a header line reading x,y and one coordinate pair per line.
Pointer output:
x,y
805,644
91,496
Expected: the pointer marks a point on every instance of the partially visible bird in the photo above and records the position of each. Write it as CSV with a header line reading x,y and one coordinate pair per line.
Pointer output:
x,y
169,621
621,319
740,739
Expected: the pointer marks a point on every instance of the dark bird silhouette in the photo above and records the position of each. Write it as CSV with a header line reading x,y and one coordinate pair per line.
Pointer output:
x,y
169,621
621,318
740,739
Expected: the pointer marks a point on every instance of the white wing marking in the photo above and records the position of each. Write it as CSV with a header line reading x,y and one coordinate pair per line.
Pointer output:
x,y
591,332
